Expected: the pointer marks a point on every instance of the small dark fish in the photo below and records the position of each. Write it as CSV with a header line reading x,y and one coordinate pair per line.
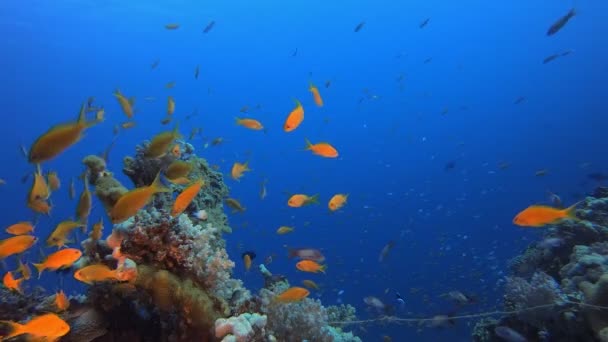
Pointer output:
x,y
428,60
359,26
385,251
209,26
327,83
519,100
90,101
196,72
106,154
155,64
424,23
294,53
561,22
550,58
450,165
598,176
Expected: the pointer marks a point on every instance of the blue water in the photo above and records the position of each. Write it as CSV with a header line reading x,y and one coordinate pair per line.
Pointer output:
x,y
452,228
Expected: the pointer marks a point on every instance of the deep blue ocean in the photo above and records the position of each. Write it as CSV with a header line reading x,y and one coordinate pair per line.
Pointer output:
x,y
423,118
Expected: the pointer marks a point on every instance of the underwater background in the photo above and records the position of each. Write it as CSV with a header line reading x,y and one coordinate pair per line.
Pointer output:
x,y
445,131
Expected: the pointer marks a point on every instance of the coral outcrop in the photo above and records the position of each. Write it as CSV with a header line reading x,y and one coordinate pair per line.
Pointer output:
x,y
567,267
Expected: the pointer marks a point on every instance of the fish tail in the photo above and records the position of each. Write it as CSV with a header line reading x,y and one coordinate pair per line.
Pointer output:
x,y
158,185
314,199
82,118
298,104
176,134
15,329
571,211
308,144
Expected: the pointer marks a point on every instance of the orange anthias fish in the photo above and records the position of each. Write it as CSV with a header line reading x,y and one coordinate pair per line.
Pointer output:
x,y
97,230
292,294
16,245
131,202
24,269
11,283
83,208
299,200
295,118
284,230
177,169
322,149
337,201
20,228
125,104
61,301
59,260
160,143
95,273
310,266
48,327
53,181
540,215
238,169
40,206
40,190
315,94
248,259
184,199
59,236
250,123
58,138
170,105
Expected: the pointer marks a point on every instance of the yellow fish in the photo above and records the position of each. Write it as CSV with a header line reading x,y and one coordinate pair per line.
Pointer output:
x,y
161,142
58,138
131,202
238,169
170,106
125,104
83,209
59,236
284,230
315,94
95,273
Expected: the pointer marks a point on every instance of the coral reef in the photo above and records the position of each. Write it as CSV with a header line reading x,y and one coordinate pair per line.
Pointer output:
x,y
569,266
242,328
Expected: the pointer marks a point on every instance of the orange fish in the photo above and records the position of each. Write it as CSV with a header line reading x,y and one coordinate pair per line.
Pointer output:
x,y
58,138
315,94
40,189
248,259
295,118
250,123
184,199
298,200
95,273
322,149
238,169
61,301
540,215
53,181
16,245
11,283
292,294
176,151
97,230
24,269
61,259
20,228
40,206
310,266
337,201
131,202
47,327
83,208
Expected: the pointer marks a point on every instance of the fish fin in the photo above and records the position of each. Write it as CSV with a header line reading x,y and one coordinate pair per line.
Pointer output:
x,y
571,211
14,330
298,103
237,119
82,115
308,144
39,268
158,185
